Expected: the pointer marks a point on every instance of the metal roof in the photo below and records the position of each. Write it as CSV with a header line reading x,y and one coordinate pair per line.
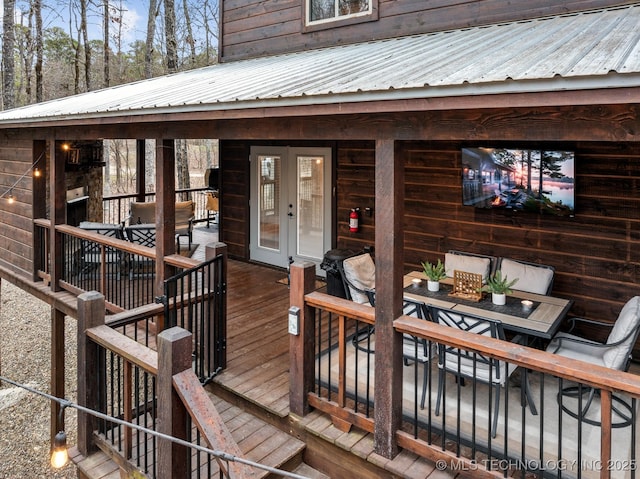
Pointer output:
x,y
594,49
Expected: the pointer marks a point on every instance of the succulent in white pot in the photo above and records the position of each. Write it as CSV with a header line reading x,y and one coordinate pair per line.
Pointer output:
x,y
434,273
499,287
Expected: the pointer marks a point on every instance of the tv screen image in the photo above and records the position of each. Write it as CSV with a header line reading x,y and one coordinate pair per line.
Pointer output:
x,y
541,181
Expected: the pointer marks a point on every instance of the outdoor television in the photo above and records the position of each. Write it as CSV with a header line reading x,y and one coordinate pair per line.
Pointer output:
x,y
518,179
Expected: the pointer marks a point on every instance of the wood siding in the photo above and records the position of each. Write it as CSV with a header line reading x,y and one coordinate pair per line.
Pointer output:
x,y
253,28
596,253
16,228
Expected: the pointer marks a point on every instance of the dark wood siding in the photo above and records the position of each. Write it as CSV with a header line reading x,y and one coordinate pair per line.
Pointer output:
x,y
234,198
16,225
253,28
596,254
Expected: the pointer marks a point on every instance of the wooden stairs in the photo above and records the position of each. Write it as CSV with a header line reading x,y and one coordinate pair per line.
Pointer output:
x,y
259,442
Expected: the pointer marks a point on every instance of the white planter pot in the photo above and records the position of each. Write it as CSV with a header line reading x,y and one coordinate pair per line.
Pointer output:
x,y
433,285
499,299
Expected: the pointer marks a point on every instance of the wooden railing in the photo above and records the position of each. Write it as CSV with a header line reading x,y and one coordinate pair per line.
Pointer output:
x,y
458,437
147,392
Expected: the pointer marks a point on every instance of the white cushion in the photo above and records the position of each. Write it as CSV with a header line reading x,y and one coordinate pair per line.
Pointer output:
x,y
532,279
628,320
360,272
470,264
576,347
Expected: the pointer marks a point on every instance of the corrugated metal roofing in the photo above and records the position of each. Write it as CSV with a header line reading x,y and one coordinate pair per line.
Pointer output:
x,y
595,49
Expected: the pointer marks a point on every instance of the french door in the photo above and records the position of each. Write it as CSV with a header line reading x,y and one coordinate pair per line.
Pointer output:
x,y
290,204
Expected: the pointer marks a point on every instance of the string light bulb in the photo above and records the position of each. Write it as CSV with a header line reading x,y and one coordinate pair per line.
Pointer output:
x,y
11,199
59,454
36,172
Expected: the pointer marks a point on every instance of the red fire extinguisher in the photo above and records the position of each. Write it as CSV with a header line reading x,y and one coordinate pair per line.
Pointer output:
x,y
353,220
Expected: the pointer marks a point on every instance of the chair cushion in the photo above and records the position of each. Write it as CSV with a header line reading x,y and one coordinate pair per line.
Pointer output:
x,y
576,347
532,279
470,264
628,320
360,271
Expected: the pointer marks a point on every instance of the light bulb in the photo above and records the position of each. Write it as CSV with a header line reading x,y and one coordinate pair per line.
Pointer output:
x,y
59,455
11,199
36,173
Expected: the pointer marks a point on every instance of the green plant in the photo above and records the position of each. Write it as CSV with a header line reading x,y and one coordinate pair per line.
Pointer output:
x,y
435,272
497,284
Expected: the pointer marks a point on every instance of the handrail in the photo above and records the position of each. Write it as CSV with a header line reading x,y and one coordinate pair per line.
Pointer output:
x,y
204,416
340,306
548,363
134,352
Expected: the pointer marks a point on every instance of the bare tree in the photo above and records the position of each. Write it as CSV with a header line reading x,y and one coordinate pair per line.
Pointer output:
x,y
190,40
87,46
8,64
171,44
151,32
105,49
36,6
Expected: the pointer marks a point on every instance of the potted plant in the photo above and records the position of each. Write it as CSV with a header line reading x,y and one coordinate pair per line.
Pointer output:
x,y
499,287
434,273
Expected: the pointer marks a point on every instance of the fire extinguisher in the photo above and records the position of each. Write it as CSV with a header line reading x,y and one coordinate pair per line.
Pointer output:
x,y
353,220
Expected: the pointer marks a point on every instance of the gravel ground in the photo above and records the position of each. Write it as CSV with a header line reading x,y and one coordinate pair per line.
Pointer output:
x,y
25,348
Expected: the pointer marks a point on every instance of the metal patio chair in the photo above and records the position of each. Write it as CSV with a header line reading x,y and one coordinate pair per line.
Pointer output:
x,y
615,353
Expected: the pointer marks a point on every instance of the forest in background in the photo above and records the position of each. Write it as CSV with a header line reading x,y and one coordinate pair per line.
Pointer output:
x,y
57,48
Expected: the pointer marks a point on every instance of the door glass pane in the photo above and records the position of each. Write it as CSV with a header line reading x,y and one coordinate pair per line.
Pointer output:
x,y
310,214
269,202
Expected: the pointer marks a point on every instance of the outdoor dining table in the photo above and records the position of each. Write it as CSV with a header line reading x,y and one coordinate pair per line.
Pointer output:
x,y
542,320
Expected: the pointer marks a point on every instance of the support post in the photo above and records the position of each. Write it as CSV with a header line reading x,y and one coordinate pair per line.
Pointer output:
x,y
57,187
141,160
217,335
174,356
91,364
57,369
165,213
39,186
389,243
302,345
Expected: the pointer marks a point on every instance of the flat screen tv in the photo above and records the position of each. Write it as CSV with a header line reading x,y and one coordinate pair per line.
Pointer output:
x,y
518,179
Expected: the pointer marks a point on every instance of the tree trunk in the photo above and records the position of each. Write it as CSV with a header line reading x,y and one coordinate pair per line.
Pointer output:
x,y
182,165
87,46
190,39
151,31
37,9
105,50
170,36
8,44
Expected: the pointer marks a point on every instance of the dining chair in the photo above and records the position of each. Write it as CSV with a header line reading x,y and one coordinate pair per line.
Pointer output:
x,y
614,353
91,251
144,235
532,277
469,262
359,275
184,218
472,365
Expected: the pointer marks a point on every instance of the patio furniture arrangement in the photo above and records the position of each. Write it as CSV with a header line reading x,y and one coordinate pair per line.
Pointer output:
x,y
615,353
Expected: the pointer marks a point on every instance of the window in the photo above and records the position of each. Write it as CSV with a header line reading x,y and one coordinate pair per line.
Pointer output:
x,y
321,11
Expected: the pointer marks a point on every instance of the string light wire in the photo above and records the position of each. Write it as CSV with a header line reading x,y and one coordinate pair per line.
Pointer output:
x,y
10,189
65,403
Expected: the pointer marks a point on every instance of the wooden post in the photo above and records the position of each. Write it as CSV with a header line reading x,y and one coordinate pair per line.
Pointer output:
x,y
57,369
389,280
141,161
39,202
57,186
302,345
91,362
165,213
174,356
218,335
